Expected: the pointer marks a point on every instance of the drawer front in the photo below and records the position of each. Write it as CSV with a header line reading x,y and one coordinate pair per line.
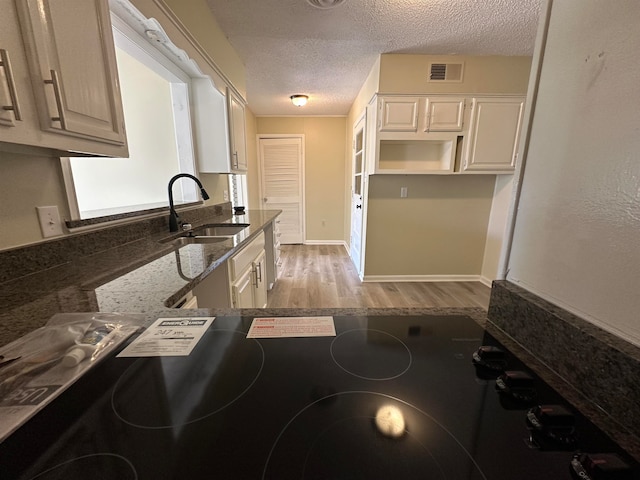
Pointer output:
x,y
241,260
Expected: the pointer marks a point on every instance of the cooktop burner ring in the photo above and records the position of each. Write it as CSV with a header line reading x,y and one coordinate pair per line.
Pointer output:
x,y
415,432
258,350
394,369
42,475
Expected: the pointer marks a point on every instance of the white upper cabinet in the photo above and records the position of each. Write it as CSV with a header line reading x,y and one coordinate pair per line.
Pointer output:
x,y
67,55
237,135
492,142
421,114
443,114
14,95
398,114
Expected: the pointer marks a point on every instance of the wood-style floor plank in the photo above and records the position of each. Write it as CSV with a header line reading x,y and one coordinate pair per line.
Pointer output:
x,y
323,276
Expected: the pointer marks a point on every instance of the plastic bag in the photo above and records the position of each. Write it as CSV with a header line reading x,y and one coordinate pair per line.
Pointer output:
x,y
47,347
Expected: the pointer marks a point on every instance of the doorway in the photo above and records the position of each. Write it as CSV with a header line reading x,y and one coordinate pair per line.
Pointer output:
x,y
281,164
357,195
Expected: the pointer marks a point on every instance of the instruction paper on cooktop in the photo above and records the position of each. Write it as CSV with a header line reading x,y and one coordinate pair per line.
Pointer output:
x,y
169,337
283,327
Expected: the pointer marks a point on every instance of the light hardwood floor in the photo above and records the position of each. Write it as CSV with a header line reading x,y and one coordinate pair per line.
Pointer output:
x,y
323,276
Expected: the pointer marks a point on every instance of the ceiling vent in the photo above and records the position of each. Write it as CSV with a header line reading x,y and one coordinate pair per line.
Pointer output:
x,y
325,3
445,72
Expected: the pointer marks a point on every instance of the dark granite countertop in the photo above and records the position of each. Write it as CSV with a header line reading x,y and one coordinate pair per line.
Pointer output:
x,y
140,276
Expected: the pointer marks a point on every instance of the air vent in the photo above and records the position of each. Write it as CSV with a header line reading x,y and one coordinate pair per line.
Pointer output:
x,y
445,72
325,3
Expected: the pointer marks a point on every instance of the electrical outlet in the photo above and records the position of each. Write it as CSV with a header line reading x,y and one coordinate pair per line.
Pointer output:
x,y
225,195
403,192
50,222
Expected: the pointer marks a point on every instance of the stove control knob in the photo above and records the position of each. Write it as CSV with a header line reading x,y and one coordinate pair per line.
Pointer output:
x,y
517,384
600,466
490,357
551,426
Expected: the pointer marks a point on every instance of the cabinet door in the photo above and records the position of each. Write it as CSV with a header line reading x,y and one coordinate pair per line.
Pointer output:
x,y
237,134
260,275
444,114
242,289
73,69
13,74
398,114
494,131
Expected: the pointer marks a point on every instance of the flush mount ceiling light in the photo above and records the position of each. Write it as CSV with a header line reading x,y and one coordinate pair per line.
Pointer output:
x,y
325,3
299,100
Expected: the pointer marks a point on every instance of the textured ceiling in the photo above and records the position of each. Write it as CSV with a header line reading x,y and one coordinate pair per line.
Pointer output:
x,y
289,46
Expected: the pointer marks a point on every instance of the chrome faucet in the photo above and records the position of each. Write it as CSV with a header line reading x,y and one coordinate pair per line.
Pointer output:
x,y
174,219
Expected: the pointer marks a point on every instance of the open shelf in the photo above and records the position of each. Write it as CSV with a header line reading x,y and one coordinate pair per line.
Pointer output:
x,y
417,156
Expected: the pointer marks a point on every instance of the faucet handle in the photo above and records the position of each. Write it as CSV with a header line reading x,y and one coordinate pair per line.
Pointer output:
x,y
186,226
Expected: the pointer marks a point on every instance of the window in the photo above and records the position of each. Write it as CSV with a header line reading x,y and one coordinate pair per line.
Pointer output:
x,y
155,95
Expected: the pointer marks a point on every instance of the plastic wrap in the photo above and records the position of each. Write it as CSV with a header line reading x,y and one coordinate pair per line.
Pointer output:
x,y
39,366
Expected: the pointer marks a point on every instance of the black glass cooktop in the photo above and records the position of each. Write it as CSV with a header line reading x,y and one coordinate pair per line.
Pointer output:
x,y
386,398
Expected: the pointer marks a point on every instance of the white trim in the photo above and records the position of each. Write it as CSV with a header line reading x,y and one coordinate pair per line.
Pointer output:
x,y
327,242
422,278
486,281
302,116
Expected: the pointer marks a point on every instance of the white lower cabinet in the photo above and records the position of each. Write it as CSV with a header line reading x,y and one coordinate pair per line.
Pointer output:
x,y
242,281
247,275
242,289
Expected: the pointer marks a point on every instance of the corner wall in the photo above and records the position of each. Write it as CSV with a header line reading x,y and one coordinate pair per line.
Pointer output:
x,y
577,231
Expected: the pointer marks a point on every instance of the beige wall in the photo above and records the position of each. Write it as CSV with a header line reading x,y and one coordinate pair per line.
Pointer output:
x,y
27,181
196,17
487,74
324,171
439,229
253,180
465,241
31,180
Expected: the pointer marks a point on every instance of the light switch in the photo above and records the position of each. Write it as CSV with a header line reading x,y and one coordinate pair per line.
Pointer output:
x,y
50,223
403,192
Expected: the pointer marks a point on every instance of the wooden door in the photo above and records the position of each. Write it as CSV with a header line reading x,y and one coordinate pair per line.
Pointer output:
x,y
281,181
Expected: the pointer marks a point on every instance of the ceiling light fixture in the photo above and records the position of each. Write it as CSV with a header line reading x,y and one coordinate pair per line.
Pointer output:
x,y
299,100
325,3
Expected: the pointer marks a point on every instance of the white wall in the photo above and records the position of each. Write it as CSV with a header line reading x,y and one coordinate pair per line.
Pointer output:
x,y
577,233
496,228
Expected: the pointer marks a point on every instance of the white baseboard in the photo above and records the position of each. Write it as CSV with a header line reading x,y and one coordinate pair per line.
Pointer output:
x,y
422,278
485,281
327,242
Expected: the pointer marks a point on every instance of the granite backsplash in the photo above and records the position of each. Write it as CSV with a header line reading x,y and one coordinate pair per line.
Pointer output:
x,y
603,368
20,261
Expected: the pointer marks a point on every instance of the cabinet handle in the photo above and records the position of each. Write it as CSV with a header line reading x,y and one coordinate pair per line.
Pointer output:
x,y
259,273
11,85
55,81
255,271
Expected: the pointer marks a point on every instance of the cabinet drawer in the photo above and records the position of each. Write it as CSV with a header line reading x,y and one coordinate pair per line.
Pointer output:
x,y
241,260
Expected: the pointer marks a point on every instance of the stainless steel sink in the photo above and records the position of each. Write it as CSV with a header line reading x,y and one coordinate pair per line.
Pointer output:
x,y
212,233
181,241
219,230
